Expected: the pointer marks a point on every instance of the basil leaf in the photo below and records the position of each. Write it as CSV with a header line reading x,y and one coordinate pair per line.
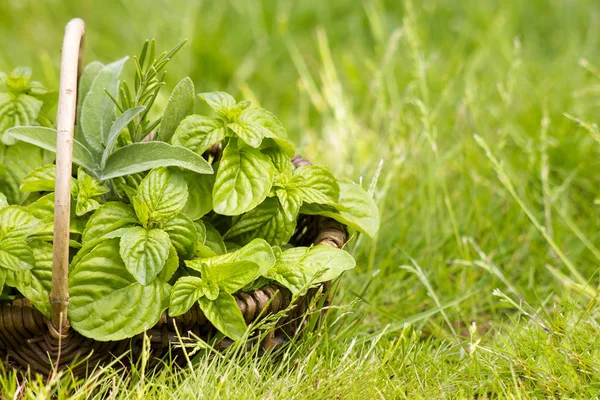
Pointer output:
x,y
186,291
220,102
199,133
40,179
200,188
183,235
139,157
355,209
108,218
243,181
115,131
16,222
144,252
98,110
106,302
179,106
316,185
16,255
300,267
163,193
224,314
87,189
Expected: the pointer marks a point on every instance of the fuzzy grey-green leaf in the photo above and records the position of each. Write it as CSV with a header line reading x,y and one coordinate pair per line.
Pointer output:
x,y
179,106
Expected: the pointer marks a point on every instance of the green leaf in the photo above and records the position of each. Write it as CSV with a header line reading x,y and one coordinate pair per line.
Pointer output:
x,y
98,110
15,255
280,160
254,124
16,222
90,245
243,181
300,267
46,139
85,82
316,185
233,276
3,201
221,102
108,218
144,252
138,157
15,163
179,106
106,302
186,291
183,234
115,130
17,109
258,252
88,189
355,209
163,192
274,220
35,284
199,133
224,314
40,179
214,241
171,265
199,202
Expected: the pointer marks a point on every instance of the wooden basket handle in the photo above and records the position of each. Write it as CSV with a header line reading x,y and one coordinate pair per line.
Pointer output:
x,y
70,69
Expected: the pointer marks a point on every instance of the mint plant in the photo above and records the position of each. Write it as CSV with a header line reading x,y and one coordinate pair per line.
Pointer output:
x,y
154,226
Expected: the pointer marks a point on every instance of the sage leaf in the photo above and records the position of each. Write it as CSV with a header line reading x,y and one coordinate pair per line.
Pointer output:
x,y
106,301
115,130
179,106
243,181
164,193
144,252
138,157
224,314
85,82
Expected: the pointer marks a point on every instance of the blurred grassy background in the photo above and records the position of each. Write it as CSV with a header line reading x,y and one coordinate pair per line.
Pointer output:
x,y
410,83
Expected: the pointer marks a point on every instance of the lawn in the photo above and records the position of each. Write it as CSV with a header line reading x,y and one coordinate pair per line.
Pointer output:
x,y
473,124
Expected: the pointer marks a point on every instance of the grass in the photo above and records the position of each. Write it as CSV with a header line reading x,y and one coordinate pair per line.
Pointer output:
x,y
483,280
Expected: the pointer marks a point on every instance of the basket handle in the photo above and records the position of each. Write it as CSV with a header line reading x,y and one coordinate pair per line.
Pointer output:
x,y
70,69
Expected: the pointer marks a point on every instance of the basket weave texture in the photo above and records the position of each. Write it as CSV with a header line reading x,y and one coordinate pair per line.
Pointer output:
x,y
30,341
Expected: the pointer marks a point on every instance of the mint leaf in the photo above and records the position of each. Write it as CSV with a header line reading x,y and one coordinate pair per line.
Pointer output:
x,y
258,252
280,160
3,201
139,157
88,189
316,185
200,187
254,124
179,106
220,102
15,255
106,302
224,314
144,252
98,110
199,133
243,181
183,234
108,218
164,193
15,163
17,109
232,276
213,241
16,222
40,179
186,291
355,209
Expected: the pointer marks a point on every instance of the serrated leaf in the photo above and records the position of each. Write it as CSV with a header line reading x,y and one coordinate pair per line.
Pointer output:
x,y
185,293
40,179
46,139
224,314
183,234
115,130
300,267
98,110
35,284
280,160
3,201
254,124
258,252
316,185
163,192
88,188
17,109
179,106
144,252
355,209
106,302
199,133
171,265
213,240
138,157
220,102
108,218
16,222
231,277
15,163
90,245
243,181
15,255
199,202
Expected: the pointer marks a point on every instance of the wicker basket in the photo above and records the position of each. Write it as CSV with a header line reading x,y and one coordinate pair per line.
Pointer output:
x,y
29,341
